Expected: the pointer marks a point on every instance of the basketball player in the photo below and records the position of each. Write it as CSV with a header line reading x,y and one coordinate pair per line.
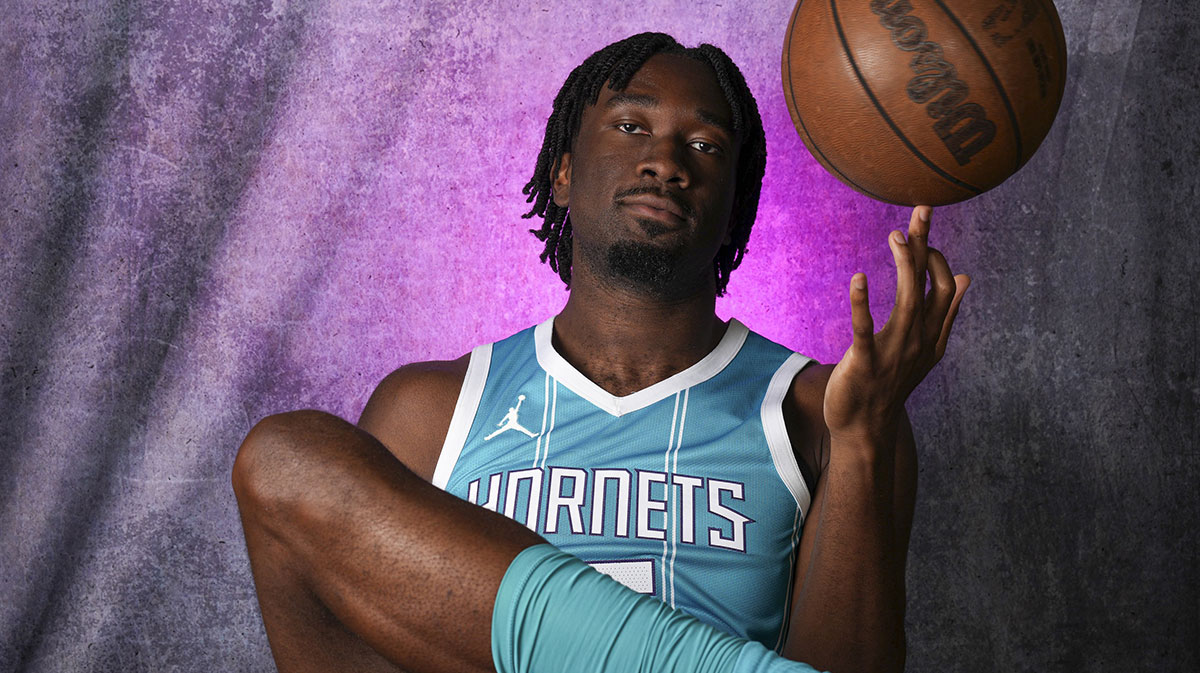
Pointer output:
x,y
710,471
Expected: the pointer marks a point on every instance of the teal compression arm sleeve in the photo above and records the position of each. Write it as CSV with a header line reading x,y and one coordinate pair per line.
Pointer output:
x,y
554,613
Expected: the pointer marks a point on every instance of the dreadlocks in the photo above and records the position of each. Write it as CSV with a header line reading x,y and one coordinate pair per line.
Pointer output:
x,y
616,64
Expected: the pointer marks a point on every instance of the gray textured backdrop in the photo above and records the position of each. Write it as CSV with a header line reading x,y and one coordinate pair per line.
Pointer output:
x,y
212,209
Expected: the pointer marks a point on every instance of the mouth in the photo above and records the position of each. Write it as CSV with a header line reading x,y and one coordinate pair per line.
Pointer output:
x,y
649,206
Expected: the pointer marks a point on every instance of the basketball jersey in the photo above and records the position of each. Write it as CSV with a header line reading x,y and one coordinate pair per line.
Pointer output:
x,y
687,490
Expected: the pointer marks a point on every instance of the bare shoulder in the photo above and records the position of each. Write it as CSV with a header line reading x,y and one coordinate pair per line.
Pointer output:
x,y
804,416
410,411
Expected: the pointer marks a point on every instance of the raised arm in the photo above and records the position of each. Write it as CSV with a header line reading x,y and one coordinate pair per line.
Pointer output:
x,y
848,606
849,597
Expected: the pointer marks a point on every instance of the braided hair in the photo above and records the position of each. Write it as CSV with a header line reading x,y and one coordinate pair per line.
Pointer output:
x,y
616,64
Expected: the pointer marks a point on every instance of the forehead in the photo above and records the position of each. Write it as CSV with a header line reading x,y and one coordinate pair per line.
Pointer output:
x,y
677,81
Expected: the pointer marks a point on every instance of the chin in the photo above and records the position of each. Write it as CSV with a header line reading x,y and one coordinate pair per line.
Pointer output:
x,y
646,268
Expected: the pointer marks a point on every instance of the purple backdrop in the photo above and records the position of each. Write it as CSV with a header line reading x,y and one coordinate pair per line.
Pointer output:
x,y
216,210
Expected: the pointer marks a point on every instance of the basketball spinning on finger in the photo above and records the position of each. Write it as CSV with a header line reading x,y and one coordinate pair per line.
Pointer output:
x,y
923,102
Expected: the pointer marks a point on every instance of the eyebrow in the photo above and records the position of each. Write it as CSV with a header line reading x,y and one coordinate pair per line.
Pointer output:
x,y
712,119
647,101
634,99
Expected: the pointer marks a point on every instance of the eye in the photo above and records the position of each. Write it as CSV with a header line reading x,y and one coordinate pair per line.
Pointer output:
x,y
706,147
629,127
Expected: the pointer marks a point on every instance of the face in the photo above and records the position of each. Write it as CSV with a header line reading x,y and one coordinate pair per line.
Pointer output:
x,y
650,180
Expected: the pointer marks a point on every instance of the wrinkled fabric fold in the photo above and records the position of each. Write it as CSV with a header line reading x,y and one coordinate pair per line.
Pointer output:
x,y
553,613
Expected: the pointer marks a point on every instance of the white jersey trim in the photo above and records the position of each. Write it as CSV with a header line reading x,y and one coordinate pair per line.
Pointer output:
x,y
574,380
464,414
776,432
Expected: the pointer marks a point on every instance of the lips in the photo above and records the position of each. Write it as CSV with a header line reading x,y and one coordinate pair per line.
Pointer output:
x,y
655,207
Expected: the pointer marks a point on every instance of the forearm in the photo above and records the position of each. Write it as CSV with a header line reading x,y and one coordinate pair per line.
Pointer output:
x,y
849,608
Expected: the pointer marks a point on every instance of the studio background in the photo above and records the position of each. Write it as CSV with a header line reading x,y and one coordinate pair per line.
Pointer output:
x,y
217,210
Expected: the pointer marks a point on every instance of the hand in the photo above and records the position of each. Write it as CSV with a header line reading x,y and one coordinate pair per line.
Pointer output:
x,y
867,389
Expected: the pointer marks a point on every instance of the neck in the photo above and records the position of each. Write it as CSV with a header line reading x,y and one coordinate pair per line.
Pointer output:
x,y
625,342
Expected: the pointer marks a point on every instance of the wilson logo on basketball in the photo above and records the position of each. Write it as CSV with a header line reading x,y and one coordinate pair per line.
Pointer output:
x,y
962,126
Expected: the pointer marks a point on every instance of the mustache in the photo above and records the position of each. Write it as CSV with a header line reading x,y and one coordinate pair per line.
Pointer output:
x,y
684,207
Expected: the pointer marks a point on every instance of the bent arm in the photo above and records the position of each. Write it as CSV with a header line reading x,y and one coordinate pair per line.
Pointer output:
x,y
848,604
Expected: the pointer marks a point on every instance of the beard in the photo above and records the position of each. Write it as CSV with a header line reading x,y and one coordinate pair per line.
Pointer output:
x,y
643,267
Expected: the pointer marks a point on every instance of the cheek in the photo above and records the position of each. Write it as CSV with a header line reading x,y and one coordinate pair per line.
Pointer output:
x,y
594,181
731,192
725,193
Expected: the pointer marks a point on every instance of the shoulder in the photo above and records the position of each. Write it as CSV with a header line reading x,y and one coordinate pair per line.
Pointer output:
x,y
804,416
808,387
410,411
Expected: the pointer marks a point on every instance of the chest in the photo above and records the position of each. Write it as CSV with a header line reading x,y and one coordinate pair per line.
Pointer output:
x,y
681,500
687,490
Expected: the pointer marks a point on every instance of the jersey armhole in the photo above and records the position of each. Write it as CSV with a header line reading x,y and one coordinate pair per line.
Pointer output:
x,y
464,414
775,430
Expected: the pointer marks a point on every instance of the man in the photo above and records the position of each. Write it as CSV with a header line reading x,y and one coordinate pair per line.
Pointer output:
x,y
648,183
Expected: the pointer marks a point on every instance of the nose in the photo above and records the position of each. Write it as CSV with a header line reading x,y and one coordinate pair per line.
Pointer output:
x,y
665,160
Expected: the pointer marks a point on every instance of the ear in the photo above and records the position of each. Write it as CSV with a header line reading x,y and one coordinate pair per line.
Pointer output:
x,y
562,181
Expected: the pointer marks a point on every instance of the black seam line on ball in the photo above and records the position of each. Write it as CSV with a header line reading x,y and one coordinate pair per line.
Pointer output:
x,y
799,117
879,108
1012,115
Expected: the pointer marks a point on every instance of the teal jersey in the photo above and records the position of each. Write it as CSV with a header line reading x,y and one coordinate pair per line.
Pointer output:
x,y
687,490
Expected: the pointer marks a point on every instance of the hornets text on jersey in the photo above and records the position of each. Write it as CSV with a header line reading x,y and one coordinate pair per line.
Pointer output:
x,y
687,490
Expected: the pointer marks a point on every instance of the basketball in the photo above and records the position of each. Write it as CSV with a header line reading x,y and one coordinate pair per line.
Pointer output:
x,y
923,102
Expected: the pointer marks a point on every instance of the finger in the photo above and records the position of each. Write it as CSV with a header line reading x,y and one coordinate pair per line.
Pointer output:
x,y
904,311
918,240
937,302
961,283
860,314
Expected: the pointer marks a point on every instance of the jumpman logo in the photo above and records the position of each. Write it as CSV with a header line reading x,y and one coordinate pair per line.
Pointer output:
x,y
509,422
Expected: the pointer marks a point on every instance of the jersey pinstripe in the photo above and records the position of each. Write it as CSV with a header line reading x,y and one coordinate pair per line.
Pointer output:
x,y
687,490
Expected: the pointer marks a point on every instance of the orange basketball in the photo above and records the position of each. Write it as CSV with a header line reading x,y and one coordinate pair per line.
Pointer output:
x,y
923,101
